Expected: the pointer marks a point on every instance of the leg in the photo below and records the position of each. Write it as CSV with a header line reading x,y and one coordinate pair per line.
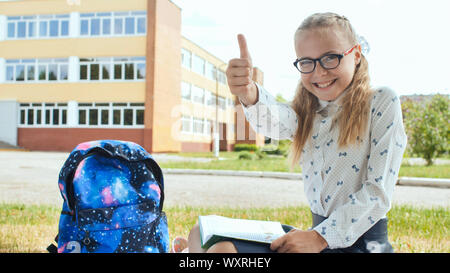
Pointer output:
x,y
222,247
194,242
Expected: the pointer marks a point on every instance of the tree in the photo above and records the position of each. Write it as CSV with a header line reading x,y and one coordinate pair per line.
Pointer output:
x,y
428,127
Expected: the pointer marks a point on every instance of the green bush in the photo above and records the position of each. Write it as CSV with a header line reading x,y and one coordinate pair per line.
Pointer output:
x,y
245,147
246,156
281,149
427,124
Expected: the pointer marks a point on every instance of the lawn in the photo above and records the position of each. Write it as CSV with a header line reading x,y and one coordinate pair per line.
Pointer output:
x,y
30,228
230,161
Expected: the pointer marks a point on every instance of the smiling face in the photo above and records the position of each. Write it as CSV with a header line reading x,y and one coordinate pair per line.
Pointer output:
x,y
314,43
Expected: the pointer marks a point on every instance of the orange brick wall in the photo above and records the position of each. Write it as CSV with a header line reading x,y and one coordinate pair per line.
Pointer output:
x,y
65,139
163,78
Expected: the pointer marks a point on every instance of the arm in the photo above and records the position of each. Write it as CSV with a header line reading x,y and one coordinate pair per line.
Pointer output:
x,y
262,107
366,206
270,117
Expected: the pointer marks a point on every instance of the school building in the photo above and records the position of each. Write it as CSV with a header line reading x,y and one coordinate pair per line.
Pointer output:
x,y
79,70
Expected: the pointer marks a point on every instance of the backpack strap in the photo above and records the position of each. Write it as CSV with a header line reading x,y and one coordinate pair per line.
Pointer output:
x,y
52,248
157,173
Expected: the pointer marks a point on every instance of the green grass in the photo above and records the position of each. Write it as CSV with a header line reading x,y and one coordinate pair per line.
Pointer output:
x,y
280,164
31,228
267,164
434,171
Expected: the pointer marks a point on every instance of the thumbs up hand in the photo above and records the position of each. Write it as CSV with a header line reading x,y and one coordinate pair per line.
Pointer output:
x,y
240,75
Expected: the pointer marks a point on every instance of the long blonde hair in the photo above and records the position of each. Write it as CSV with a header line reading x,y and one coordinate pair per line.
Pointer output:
x,y
353,118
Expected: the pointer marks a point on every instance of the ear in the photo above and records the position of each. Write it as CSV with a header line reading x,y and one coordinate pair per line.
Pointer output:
x,y
358,55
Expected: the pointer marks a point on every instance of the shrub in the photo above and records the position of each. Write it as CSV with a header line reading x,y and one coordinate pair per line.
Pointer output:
x,y
245,147
281,149
245,156
427,125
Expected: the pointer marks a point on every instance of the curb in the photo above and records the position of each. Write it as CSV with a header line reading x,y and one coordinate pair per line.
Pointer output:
x,y
402,181
424,182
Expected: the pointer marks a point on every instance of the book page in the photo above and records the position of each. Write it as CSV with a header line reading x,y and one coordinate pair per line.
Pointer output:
x,y
253,230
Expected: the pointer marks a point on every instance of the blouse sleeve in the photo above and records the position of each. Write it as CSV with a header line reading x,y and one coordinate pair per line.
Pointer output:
x,y
372,202
271,118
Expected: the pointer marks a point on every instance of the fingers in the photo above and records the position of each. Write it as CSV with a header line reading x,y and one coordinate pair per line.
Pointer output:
x,y
243,47
276,244
240,63
239,73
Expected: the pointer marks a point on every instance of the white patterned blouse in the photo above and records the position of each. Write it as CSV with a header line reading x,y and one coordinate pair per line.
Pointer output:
x,y
352,186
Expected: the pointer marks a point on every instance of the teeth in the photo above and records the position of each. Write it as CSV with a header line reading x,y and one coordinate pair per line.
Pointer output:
x,y
325,84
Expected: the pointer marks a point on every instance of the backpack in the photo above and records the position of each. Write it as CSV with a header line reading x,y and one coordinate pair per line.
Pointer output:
x,y
113,194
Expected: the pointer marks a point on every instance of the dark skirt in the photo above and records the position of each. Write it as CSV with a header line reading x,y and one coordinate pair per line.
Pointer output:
x,y
374,240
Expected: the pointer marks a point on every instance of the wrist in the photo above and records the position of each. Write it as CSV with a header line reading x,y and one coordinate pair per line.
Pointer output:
x,y
321,242
252,95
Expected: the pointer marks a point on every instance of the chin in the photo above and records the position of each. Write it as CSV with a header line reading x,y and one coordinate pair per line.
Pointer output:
x,y
328,96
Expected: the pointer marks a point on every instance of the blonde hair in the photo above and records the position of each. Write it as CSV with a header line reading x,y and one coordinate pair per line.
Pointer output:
x,y
353,118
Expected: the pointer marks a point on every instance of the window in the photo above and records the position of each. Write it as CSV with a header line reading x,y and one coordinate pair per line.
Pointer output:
x,y
198,94
105,69
211,99
186,124
129,25
106,26
42,114
139,116
43,30
141,25
52,72
186,58
32,29
185,91
210,71
54,28
11,30
113,23
129,71
198,64
21,29
111,114
222,77
20,72
222,103
95,27
32,70
198,126
84,27
39,26
93,117
118,26
141,70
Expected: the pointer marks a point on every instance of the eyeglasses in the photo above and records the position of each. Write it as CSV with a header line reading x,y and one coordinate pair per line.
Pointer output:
x,y
327,61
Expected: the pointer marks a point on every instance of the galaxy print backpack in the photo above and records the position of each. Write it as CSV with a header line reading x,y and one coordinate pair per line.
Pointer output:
x,y
113,195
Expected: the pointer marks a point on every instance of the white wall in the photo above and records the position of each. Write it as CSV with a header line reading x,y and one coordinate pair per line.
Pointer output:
x,y
8,121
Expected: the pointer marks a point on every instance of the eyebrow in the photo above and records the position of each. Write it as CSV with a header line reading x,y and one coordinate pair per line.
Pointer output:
x,y
328,52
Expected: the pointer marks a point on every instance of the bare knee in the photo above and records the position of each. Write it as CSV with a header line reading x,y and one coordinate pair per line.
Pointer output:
x,y
222,247
194,241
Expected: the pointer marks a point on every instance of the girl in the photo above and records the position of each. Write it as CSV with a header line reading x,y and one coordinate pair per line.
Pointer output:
x,y
348,137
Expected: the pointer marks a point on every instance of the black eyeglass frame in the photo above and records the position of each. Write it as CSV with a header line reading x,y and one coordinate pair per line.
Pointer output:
x,y
339,56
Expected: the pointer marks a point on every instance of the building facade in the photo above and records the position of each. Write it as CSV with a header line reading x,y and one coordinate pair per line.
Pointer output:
x,y
73,71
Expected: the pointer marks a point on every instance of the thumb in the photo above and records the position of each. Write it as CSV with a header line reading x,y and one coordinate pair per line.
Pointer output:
x,y
243,47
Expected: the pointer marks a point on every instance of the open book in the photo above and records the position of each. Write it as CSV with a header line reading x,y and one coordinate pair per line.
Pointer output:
x,y
215,228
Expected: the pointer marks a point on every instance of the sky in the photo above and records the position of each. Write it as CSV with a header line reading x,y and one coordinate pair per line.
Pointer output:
x,y
409,39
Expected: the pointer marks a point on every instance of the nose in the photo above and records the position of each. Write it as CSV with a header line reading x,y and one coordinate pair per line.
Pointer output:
x,y
320,70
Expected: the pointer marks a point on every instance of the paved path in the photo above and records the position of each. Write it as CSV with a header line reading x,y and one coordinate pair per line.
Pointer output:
x,y
31,177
